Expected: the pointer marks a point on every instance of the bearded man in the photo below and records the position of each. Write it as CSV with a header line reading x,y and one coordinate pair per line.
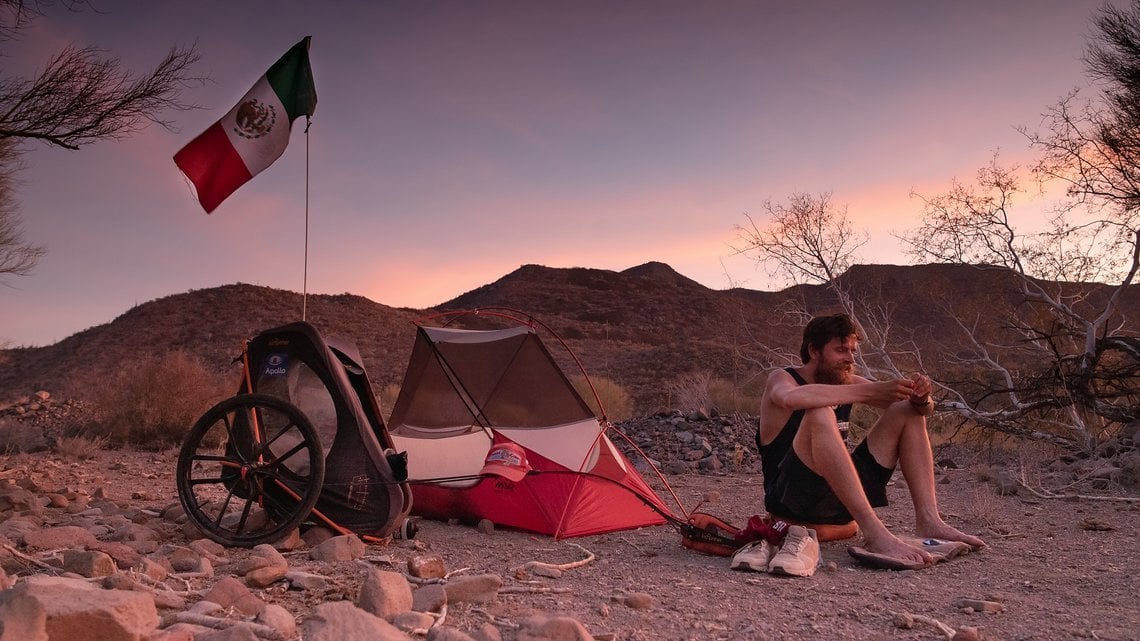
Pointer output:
x,y
811,477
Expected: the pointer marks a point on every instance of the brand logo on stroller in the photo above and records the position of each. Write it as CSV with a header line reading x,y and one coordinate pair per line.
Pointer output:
x,y
275,365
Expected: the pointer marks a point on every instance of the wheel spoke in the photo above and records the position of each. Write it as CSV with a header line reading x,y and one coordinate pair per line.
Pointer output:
x,y
277,461
205,480
244,516
225,508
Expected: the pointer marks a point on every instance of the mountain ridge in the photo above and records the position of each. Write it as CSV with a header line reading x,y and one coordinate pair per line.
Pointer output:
x,y
641,327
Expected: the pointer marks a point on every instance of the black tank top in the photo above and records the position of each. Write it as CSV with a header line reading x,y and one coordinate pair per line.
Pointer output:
x,y
774,452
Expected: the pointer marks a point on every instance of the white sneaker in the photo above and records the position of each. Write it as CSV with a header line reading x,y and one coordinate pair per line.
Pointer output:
x,y
752,557
799,555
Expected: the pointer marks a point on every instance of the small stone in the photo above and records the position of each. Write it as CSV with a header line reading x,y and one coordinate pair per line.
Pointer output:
x,y
346,547
967,633
638,601
427,567
482,588
88,563
279,619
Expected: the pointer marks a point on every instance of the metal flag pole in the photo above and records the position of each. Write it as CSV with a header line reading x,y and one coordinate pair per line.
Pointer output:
x,y
305,276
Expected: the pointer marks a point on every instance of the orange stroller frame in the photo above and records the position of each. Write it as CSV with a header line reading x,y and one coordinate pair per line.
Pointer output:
x,y
302,442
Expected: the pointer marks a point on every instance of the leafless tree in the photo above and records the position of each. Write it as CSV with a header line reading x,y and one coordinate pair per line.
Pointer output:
x,y
1071,369
79,97
16,256
810,240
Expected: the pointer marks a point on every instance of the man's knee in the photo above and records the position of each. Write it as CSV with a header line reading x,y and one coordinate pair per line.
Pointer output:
x,y
819,418
818,425
898,417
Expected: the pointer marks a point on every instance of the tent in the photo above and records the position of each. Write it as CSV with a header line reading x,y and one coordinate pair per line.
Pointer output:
x,y
493,429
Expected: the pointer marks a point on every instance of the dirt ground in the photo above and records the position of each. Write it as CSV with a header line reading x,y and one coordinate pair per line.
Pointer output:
x,y
1059,568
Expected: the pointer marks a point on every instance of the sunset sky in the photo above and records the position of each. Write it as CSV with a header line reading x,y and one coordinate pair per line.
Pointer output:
x,y
456,141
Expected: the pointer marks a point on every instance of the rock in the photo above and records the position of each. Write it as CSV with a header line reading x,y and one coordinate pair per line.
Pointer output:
x,y
22,616
264,566
343,621
64,536
292,541
124,556
152,569
384,594
88,563
314,536
483,588
184,559
346,547
547,572
72,609
168,600
487,632
553,629
979,605
427,567
710,464
278,618
411,620
229,592
967,633
638,601
429,598
306,581
16,527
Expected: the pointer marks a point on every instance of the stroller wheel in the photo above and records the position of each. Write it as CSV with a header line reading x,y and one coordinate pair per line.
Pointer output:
x,y
250,470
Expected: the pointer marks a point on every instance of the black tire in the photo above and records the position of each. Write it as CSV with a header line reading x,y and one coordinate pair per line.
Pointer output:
x,y
250,470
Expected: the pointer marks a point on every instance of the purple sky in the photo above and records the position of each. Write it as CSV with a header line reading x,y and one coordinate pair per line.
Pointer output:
x,y
455,141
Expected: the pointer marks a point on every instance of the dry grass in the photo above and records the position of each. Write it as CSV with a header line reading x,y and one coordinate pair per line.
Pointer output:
x,y
615,399
983,508
79,448
152,404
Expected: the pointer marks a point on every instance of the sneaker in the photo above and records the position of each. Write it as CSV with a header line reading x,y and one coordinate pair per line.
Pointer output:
x,y
799,555
752,556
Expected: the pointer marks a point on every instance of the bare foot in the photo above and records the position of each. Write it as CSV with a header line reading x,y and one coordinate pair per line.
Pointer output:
x,y
890,545
941,530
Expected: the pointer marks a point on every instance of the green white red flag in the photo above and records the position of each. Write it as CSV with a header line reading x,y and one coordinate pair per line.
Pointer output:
x,y
254,133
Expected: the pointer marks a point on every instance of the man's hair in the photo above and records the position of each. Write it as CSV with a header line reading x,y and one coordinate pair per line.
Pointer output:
x,y
821,329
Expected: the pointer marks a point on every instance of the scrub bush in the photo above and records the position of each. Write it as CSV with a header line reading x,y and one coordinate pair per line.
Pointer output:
x,y
615,399
153,403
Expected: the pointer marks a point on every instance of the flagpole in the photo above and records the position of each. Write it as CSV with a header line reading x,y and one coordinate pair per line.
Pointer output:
x,y
305,276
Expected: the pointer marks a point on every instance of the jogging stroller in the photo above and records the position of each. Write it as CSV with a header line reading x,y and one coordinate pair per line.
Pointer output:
x,y
302,442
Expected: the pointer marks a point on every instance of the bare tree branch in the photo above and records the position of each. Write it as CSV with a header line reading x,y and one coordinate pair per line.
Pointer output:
x,y
78,98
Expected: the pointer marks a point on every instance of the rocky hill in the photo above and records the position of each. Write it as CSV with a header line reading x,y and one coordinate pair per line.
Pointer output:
x,y
641,327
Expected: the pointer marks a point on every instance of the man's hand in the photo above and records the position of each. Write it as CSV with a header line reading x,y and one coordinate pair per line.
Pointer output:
x,y
887,392
920,392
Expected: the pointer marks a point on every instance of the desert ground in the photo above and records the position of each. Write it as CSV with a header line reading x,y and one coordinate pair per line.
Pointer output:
x,y
1055,568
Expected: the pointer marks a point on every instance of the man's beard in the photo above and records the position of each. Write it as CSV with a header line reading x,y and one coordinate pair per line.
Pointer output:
x,y
833,374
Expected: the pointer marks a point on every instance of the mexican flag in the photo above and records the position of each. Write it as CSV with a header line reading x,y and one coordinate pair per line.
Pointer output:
x,y
254,133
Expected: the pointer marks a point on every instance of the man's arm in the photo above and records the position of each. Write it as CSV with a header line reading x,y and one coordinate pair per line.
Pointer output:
x,y
787,394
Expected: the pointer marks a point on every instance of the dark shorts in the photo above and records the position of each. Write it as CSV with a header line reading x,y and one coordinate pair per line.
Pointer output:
x,y
800,494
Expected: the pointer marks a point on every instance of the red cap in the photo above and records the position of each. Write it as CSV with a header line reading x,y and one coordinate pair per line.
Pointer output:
x,y
507,460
